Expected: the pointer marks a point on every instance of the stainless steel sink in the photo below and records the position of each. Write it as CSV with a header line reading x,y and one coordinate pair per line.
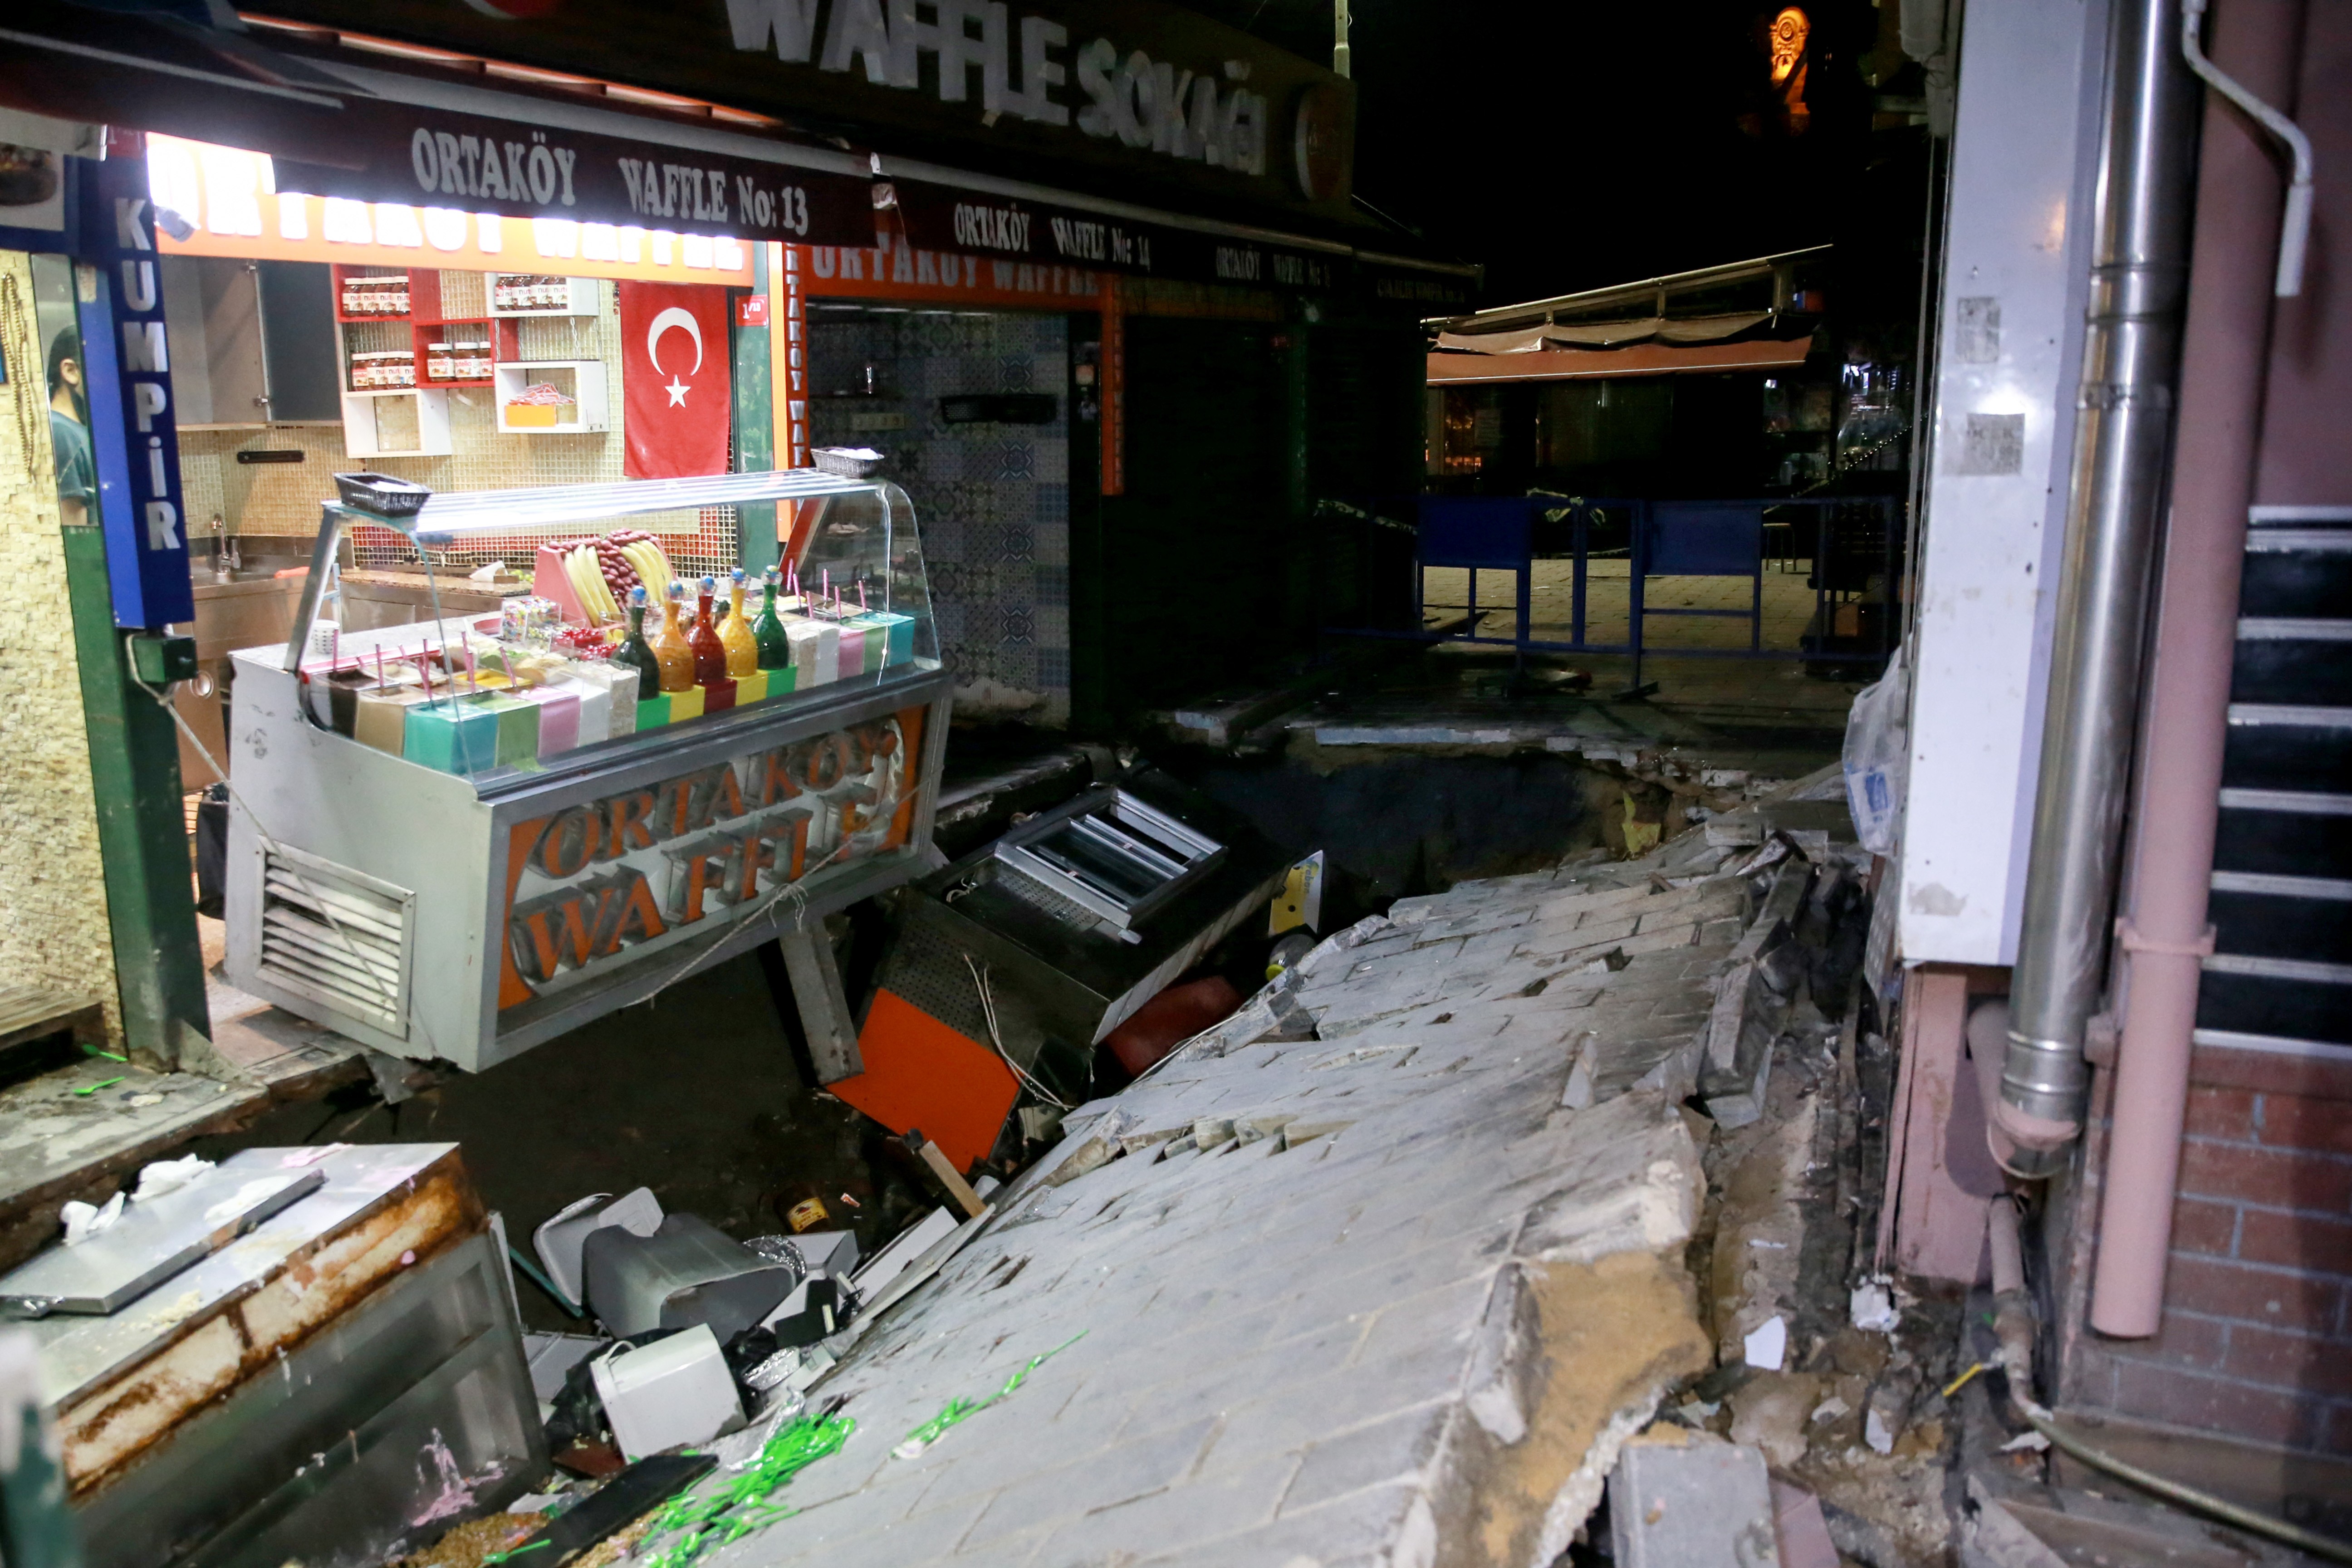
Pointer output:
x,y
253,609
245,613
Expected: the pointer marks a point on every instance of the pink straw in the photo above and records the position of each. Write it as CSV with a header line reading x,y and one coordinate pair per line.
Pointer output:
x,y
861,595
379,666
472,683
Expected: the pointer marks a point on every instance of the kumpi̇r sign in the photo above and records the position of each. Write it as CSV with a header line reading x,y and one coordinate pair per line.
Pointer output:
x,y
1142,90
127,367
661,871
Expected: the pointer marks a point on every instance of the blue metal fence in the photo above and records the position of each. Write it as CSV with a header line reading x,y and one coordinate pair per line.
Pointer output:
x,y
1855,539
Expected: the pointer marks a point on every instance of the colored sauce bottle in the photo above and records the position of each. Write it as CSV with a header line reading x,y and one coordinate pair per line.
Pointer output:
x,y
634,652
709,653
768,629
735,634
671,648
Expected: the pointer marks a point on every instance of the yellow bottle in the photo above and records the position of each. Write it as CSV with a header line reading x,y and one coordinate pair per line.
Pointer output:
x,y
671,647
735,634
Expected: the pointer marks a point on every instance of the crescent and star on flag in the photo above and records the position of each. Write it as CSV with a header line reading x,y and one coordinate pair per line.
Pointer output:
x,y
674,317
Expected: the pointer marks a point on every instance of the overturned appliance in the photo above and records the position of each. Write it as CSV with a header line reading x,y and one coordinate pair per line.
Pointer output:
x,y
1012,964
307,1355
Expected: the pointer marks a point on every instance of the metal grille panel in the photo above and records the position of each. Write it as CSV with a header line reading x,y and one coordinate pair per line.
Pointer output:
x,y
337,936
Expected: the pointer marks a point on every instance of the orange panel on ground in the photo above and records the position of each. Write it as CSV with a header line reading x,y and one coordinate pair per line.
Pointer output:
x,y
921,1074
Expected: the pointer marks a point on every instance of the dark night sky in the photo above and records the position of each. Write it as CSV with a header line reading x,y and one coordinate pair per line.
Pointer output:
x,y
1573,145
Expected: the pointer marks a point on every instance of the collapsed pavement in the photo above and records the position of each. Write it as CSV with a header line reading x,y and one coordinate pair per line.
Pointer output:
x,y
1397,1292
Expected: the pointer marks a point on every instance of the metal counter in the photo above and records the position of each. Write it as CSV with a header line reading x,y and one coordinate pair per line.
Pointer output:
x,y
521,904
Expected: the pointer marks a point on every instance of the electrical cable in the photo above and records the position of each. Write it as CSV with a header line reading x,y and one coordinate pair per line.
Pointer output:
x,y
791,887
292,871
2187,1496
996,1038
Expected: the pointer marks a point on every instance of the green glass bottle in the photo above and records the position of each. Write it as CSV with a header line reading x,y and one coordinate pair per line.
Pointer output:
x,y
775,648
634,652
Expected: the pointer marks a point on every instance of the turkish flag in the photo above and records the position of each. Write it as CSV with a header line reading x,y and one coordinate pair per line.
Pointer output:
x,y
676,393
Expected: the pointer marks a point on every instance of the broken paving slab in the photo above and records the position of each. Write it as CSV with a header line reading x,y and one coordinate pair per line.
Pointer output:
x,y
1683,1500
1752,824
1410,1286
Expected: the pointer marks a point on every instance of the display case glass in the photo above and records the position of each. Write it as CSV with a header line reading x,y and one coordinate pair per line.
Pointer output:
x,y
612,650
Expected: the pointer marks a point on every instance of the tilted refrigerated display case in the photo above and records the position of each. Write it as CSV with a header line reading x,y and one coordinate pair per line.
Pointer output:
x,y
444,845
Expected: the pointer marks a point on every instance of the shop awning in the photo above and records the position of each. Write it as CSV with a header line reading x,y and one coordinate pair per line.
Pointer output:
x,y
156,74
1641,359
382,123
1606,334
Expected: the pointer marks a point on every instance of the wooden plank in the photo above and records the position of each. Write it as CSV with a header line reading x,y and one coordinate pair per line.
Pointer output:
x,y
2078,1538
1937,1227
30,1013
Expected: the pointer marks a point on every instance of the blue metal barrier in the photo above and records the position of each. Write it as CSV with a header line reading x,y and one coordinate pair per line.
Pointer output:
x,y
1703,537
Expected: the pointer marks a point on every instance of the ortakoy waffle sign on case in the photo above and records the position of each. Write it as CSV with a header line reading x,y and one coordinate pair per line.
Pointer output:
x,y
676,864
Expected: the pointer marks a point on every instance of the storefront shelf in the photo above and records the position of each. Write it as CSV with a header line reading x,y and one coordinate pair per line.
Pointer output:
x,y
582,296
374,426
582,380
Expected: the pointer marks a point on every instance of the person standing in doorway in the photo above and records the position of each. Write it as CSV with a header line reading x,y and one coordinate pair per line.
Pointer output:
x,y
69,430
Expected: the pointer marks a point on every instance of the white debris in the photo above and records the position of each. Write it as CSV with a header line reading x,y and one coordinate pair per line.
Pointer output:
x,y
86,1220
1767,1345
168,1177
2026,1443
1871,1306
1877,1433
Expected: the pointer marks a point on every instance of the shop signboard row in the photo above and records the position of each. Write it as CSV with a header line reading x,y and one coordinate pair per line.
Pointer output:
x,y
1137,88
423,192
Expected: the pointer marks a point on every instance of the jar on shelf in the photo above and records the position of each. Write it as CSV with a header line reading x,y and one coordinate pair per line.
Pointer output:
x,y
440,363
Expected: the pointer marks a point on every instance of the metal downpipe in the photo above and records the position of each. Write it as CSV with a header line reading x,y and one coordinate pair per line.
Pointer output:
x,y
2122,430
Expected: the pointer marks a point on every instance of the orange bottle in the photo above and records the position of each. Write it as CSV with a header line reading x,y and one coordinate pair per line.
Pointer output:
x,y
671,648
735,634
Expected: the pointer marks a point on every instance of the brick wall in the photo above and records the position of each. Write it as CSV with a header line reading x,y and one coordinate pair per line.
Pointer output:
x,y
2257,1338
53,928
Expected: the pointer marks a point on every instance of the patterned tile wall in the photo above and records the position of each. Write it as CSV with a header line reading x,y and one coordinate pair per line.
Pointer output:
x,y
993,500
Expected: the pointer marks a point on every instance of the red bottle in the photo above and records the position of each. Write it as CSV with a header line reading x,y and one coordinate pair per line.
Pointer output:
x,y
709,653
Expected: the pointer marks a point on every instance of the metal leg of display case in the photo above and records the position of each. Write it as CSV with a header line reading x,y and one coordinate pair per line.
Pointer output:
x,y
314,587
824,1005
